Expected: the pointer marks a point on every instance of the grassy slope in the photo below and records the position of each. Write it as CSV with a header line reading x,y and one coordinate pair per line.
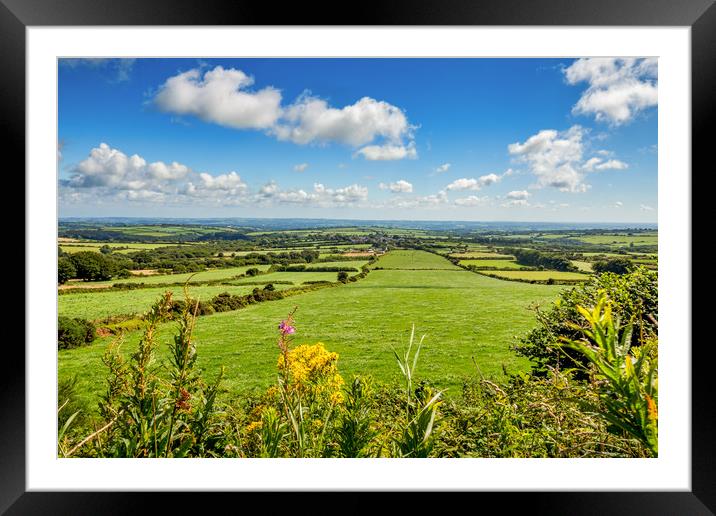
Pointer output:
x,y
98,305
409,259
463,314
539,275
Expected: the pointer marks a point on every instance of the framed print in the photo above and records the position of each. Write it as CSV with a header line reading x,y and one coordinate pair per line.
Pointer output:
x,y
422,251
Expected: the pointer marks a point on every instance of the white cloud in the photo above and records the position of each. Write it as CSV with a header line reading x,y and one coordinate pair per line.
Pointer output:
x,y
618,88
110,173
388,152
300,167
320,195
612,164
471,200
400,186
311,119
221,97
443,168
472,183
618,204
518,194
556,159
644,207
517,202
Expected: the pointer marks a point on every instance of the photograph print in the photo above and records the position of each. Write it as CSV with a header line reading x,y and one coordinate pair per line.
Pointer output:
x,y
357,257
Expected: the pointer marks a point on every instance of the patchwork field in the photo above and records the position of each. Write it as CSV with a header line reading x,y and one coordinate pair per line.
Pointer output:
x,y
482,254
463,314
409,259
537,275
499,264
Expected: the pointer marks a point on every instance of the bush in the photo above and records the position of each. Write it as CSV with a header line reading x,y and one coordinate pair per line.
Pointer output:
x,y
615,265
635,301
253,272
343,277
73,333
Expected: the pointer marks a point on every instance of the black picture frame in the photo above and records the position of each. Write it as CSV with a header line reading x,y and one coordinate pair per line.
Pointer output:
x,y
700,15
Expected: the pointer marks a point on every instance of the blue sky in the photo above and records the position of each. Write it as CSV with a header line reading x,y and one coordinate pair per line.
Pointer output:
x,y
442,139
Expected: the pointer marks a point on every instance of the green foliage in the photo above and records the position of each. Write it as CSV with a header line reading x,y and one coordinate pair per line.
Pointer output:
x,y
534,258
343,276
73,333
626,377
92,266
616,265
149,416
65,270
634,299
355,431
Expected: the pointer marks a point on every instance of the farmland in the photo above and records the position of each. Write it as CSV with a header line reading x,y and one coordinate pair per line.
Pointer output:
x,y
356,291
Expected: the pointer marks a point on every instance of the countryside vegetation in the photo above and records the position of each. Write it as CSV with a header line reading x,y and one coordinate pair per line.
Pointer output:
x,y
223,340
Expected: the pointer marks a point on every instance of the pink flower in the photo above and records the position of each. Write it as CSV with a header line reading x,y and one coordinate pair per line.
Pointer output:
x,y
286,329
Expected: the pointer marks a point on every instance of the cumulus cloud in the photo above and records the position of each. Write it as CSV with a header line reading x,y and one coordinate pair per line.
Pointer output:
x,y
300,167
618,88
517,202
223,96
110,173
320,196
400,186
220,96
472,183
311,119
518,194
388,152
443,168
557,159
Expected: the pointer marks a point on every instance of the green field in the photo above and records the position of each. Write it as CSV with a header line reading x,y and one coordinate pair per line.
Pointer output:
x,y
208,275
70,247
297,278
620,240
499,264
464,315
582,266
538,275
98,305
410,259
481,254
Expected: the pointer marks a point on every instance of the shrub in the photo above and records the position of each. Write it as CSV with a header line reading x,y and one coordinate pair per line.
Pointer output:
x,y
253,272
615,265
635,301
73,333
343,276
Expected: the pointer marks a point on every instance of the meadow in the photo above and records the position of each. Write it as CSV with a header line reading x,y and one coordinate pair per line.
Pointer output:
x,y
538,275
464,316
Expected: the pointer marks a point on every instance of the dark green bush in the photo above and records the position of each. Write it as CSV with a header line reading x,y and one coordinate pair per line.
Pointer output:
x,y
73,333
65,270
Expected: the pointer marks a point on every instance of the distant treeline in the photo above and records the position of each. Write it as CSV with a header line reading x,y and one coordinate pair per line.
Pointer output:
x,y
533,258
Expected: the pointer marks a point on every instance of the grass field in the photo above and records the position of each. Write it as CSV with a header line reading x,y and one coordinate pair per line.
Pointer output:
x,y
582,266
208,275
464,315
500,264
538,275
95,246
482,254
621,240
98,305
409,259
296,278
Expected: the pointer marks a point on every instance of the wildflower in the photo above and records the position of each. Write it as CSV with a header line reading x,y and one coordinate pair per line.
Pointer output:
x,y
286,329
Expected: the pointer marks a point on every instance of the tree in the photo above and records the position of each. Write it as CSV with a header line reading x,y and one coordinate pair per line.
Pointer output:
x,y
253,272
65,270
343,276
92,266
615,265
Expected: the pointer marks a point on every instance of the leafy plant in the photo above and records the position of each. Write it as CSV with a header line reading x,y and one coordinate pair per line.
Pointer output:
x,y
627,376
